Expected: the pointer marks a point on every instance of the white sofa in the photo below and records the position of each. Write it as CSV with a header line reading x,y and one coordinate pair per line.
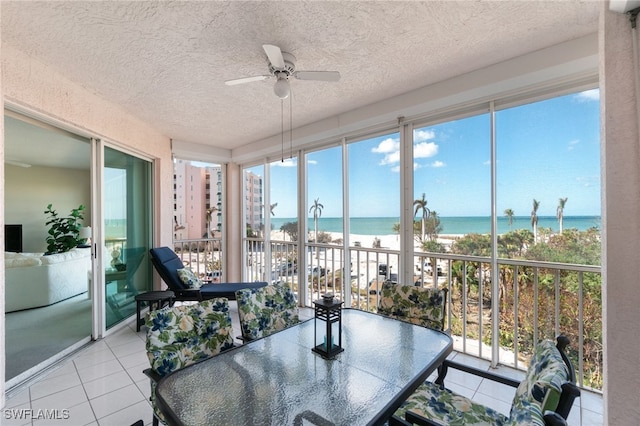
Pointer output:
x,y
33,280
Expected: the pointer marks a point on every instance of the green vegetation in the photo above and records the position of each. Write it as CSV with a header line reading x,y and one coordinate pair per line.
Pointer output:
x,y
63,231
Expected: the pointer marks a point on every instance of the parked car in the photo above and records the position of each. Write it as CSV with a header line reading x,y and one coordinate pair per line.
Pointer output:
x,y
288,268
318,271
427,268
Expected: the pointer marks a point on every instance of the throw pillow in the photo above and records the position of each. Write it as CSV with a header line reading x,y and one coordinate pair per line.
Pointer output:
x,y
189,278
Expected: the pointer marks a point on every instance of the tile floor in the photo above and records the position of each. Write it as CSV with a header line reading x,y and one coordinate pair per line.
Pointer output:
x,y
103,385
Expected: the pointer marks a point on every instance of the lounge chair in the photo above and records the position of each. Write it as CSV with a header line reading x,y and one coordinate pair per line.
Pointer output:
x,y
167,263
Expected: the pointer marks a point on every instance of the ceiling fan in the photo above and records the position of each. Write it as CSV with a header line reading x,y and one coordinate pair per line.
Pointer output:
x,y
282,65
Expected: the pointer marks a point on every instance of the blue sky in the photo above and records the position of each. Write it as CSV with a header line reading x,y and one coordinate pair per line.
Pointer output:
x,y
545,151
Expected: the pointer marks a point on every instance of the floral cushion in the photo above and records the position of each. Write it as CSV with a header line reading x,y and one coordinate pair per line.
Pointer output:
x,y
265,310
179,336
189,278
543,382
537,393
417,305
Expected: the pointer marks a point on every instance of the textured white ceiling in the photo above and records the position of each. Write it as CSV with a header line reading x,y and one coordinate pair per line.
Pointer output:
x,y
166,62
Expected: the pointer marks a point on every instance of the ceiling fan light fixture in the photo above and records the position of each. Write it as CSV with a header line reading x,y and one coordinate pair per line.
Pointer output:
x,y
282,88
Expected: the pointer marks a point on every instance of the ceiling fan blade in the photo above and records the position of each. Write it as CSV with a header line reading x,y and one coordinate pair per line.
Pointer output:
x,y
318,75
246,80
274,54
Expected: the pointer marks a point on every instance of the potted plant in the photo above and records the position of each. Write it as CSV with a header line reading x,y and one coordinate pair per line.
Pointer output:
x,y
63,231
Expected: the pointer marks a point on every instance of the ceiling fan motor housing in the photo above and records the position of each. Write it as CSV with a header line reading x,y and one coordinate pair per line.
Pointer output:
x,y
289,66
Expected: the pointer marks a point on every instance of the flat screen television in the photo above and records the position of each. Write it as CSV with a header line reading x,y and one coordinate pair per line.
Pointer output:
x,y
13,238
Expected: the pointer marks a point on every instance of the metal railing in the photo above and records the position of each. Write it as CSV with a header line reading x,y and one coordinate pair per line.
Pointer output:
x,y
203,255
536,299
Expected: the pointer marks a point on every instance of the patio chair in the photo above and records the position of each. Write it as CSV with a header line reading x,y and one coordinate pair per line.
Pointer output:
x,y
545,396
179,336
263,311
167,263
417,305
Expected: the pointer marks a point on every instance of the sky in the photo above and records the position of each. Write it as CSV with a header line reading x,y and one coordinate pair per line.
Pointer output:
x,y
545,151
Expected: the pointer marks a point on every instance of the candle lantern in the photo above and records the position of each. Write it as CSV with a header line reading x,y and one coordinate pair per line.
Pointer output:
x,y
328,339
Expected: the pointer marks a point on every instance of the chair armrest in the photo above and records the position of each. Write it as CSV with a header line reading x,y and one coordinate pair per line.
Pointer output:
x,y
152,374
191,293
569,393
551,418
442,372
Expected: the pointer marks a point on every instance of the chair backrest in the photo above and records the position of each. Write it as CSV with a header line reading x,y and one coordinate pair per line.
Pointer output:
x,y
178,336
542,388
417,305
167,263
265,310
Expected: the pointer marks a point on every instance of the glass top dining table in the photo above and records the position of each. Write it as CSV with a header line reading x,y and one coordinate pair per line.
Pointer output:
x,y
278,380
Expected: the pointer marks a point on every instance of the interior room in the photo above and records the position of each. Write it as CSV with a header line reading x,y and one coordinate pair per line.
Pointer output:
x,y
252,86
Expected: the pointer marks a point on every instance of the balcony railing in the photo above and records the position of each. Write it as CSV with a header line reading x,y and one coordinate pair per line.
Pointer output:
x,y
203,255
536,300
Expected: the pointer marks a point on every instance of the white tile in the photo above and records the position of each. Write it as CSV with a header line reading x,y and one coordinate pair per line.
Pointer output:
x,y
65,399
497,390
145,387
117,400
20,398
78,415
107,384
136,372
496,404
461,390
89,360
509,372
458,377
100,370
135,346
134,359
592,401
54,384
62,369
127,416
17,415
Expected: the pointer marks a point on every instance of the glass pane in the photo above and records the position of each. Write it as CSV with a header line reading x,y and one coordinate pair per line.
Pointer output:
x,y
197,217
284,223
47,303
324,222
374,211
256,267
127,216
452,213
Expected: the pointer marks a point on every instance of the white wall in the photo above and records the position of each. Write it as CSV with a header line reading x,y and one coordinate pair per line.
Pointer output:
x,y
620,221
28,191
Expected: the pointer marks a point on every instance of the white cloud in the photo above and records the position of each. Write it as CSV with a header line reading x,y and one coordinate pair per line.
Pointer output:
x,y
423,135
572,144
437,164
287,162
425,150
588,95
391,158
396,169
386,146
312,162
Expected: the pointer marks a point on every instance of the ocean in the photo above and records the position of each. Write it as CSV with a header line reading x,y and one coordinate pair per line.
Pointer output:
x,y
450,225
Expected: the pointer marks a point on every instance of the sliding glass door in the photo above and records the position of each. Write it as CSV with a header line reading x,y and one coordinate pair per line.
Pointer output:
x,y
127,183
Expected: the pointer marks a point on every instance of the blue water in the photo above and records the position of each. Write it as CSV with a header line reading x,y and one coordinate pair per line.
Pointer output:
x,y
450,225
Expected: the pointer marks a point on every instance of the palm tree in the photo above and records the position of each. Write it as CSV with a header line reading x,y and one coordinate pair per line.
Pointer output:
x,y
421,206
317,212
560,211
209,216
534,219
509,214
